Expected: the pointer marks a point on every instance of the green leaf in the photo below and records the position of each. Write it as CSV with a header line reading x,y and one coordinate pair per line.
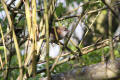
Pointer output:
x,y
60,10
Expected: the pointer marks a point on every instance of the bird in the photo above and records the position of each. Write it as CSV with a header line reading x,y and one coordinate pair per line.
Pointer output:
x,y
62,32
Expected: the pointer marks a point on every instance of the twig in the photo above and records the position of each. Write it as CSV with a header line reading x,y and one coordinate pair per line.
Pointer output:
x,y
108,5
110,35
85,51
47,38
89,28
14,38
89,12
74,27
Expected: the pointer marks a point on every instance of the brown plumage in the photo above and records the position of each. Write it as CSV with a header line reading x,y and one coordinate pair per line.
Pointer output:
x,y
62,32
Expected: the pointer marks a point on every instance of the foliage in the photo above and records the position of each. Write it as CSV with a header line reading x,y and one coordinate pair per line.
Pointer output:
x,y
23,17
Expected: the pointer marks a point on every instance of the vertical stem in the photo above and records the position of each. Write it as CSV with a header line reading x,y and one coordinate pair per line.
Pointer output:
x,y
28,16
1,61
110,35
5,52
112,56
14,38
34,27
47,38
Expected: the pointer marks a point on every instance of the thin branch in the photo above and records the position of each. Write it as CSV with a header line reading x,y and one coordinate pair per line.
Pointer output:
x,y
14,38
47,38
28,16
74,27
110,35
110,7
89,12
85,50
5,50
34,38
89,28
